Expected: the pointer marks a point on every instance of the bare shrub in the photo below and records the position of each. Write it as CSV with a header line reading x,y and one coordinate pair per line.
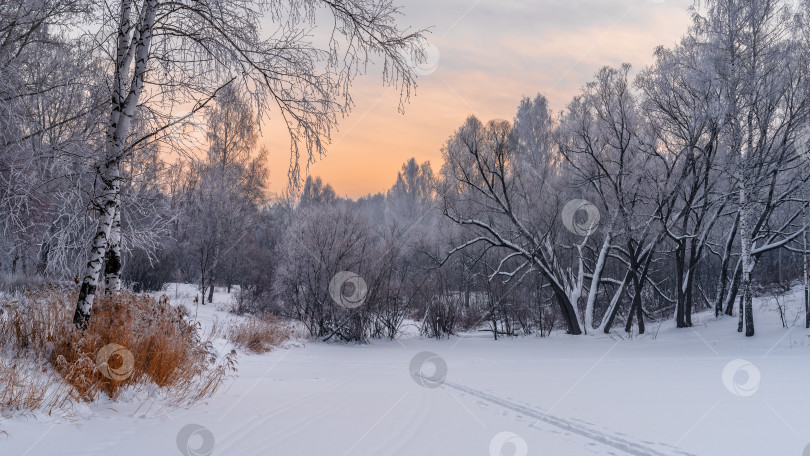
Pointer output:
x,y
259,334
23,388
441,317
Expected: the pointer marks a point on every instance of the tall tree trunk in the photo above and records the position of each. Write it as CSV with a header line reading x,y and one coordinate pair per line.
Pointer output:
x,y
722,283
746,194
202,287
690,280
628,326
721,289
569,312
749,311
733,290
596,278
680,307
689,299
745,254
45,252
613,308
112,261
638,285
212,275
567,306
87,292
636,309
806,267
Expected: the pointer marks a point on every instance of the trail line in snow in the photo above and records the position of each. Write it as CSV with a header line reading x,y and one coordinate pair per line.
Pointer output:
x,y
245,428
619,443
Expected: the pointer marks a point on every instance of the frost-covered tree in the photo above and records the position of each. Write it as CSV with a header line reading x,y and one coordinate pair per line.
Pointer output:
x,y
223,193
608,149
764,103
413,190
164,54
316,192
46,93
682,101
493,193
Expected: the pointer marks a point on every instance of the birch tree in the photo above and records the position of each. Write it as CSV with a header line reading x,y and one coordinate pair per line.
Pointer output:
x,y
164,54
765,106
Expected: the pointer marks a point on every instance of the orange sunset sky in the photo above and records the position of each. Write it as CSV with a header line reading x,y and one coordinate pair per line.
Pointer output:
x,y
491,53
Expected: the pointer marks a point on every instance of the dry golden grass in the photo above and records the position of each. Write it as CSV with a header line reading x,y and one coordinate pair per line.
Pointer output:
x,y
23,388
148,342
259,334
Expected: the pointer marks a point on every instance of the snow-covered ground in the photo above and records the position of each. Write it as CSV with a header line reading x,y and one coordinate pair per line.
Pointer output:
x,y
669,392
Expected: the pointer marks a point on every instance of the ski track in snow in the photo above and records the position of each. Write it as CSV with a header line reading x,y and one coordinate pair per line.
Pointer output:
x,y
611,440
239,434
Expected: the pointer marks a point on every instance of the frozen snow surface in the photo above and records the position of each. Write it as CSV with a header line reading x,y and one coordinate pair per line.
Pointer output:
x,y
706,390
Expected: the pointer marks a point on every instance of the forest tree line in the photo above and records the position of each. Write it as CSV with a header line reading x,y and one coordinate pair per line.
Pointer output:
x,y
658,193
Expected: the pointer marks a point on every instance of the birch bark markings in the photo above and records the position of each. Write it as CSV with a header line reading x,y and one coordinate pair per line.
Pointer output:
x,y
806,265
84,306
112,261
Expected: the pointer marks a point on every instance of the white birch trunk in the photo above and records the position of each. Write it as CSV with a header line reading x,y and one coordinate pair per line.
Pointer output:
x,y
806,267
595,279
612,307
575,290
746,297
112,262
87,293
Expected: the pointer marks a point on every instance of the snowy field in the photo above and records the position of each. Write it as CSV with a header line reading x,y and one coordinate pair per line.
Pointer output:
x,y
678,392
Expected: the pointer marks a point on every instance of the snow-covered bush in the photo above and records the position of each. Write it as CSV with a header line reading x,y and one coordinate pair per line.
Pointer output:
x,y
134,342
259,334
326,243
